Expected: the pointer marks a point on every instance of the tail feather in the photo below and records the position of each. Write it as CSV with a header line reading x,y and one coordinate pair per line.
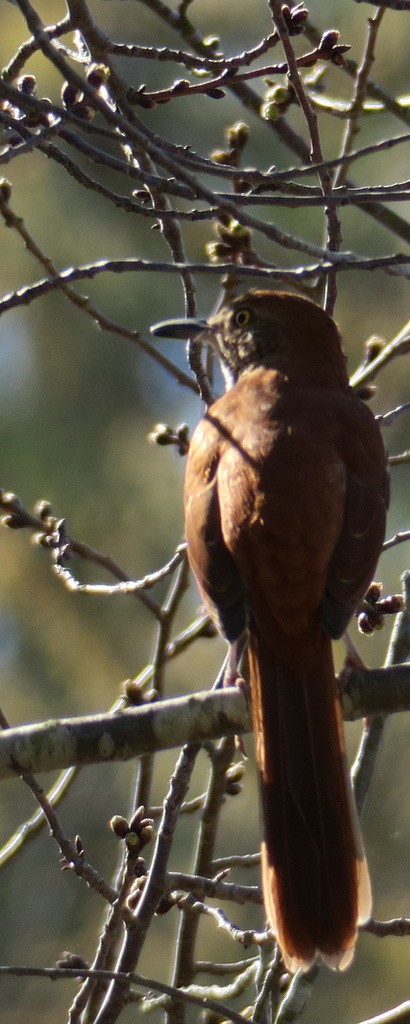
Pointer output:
x,y
315,880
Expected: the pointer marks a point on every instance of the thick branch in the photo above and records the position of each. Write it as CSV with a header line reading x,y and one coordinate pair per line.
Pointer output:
x,y
72,741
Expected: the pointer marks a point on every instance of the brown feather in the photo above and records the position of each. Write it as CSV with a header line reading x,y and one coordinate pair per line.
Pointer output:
x,y
285,498
314,874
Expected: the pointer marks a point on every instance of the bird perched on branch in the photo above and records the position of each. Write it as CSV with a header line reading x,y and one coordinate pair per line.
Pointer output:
x,y
285,501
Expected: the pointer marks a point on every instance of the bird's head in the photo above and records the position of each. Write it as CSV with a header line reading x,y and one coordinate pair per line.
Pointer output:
x,y
278,330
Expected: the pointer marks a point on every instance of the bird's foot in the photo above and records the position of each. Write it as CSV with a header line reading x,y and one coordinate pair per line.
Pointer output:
x,y
352,658
233,677
352,661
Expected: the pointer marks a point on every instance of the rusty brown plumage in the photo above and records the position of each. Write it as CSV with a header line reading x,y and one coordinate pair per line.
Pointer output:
x,y
285,502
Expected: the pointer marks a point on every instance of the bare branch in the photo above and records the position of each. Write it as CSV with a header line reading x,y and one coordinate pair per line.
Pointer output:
x,y
389,417
399,926
398,652
171,723
130,978
394,5
399,1014
396,263
400,345
360,86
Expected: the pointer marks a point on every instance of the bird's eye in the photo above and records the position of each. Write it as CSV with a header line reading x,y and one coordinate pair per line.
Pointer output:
x,y
242,317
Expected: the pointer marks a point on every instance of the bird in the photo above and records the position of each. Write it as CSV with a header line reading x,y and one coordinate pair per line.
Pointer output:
x,y
286,492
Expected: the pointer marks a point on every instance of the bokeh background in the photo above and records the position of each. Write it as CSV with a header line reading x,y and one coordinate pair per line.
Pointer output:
x,y
76,406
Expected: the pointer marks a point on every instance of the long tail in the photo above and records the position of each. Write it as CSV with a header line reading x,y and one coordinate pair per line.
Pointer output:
x,y
315,880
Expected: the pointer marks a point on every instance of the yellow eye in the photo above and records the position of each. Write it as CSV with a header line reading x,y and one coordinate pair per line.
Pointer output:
x,y
242,317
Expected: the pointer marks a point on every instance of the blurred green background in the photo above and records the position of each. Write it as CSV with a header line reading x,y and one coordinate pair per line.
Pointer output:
x,y
76,406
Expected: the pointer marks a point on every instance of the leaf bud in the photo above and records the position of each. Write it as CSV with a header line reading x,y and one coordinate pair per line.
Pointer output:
x,y
79,846
27,84
211,41
294,18
279,93
370,620
374,592
270,111
147,101
237,134
143,195
372,348
5,190
146,834
133,842
392,604
236,771
217,251
182,434
137,817
133,691
329,39
237,230
164,905
220,156
299,15
14,521
8,498
70,94
233,779
215,94
135,892
161,434
71,960
43,509
97,75
119,825
366,392
180,85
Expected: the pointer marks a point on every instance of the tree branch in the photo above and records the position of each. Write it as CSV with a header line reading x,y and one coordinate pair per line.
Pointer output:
x,y
171,723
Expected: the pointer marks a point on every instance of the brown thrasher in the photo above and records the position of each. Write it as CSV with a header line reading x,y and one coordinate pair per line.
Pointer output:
x,y
285,502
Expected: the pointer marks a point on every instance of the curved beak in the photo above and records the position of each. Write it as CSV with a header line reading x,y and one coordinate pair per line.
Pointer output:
x,y
183,328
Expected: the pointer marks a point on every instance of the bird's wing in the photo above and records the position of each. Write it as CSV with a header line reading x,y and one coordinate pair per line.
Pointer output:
x,y
217,575
367,497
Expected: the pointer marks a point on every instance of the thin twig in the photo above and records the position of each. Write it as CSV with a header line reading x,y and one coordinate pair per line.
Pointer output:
x,y
399,926
52,534
129,978
83,302
211,967
394,264
244,936
398,651
399,538
387,418
399,346
399,460
126,586
334,232
154,888
359,94
229,74
165,53
399,1014
184,959
72,852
